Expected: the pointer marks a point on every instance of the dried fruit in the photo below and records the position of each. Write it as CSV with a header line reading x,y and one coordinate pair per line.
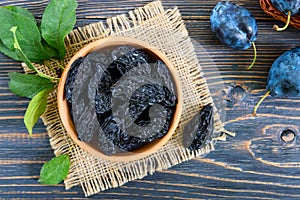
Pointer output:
x,y
71,78
198,131
134,99
133,135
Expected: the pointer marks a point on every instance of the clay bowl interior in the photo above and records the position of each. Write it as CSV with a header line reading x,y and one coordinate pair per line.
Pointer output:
x,y
65,113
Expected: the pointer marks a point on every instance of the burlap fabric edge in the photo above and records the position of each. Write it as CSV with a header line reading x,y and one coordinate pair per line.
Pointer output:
x,y
95,175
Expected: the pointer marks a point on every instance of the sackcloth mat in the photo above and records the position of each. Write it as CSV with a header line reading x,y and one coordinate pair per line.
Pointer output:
x,y
165,30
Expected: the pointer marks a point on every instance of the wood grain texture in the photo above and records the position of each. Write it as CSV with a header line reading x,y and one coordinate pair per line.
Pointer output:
x,y
255,164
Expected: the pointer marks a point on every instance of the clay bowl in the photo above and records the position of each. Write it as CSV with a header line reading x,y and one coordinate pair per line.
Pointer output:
x,y
64,112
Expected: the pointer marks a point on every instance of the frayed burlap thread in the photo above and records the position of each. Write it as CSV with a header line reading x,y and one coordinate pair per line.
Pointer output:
x,y
165,30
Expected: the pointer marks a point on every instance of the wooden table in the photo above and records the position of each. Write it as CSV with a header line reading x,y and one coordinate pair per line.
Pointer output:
x,y
257,163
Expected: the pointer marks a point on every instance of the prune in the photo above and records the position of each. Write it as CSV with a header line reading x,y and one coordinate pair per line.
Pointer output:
x,y
121,66
71,78
284,76
83,99
287,7
198,131
140,104
233,25
146,96
133,135
120,140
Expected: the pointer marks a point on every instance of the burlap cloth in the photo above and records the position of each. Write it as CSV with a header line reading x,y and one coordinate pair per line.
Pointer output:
x,y
165,30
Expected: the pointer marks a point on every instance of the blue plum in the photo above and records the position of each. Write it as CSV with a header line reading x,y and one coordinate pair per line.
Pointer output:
x,y
287,7
284,75
233,25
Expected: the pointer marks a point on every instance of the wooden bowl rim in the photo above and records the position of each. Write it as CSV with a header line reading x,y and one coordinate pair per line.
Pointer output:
x,y
65,114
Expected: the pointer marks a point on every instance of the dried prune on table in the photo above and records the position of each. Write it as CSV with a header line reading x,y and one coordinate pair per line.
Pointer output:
x,y
198,131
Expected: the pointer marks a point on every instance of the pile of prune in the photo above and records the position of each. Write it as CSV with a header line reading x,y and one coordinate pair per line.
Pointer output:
x,y
133,99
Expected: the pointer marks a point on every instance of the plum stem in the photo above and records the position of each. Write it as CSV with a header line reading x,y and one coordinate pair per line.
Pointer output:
x,y
259,102
275,27
254,58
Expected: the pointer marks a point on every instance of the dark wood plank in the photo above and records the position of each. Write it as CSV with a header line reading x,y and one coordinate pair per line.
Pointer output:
x,y
101,9
255,164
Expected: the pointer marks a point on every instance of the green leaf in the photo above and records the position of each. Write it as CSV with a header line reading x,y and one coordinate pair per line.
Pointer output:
x,y
55,170
28,85
28,35
21,54
19,51
58,21
10,53
36,108
21,11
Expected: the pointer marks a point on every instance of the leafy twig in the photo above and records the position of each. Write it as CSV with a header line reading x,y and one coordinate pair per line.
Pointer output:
x,y
25,59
